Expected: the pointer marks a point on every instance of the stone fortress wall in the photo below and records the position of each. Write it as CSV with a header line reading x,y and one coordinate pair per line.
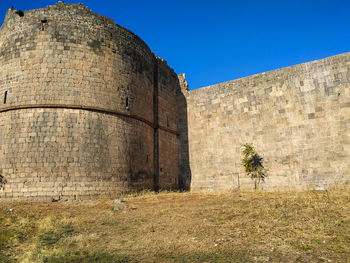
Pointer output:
x,y
298,118
86,108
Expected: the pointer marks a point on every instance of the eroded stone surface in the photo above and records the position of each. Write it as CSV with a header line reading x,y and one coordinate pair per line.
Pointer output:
x,y
87,110
77,112
297,117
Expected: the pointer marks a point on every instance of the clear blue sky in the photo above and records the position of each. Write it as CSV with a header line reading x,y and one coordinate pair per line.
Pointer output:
x,y
216,41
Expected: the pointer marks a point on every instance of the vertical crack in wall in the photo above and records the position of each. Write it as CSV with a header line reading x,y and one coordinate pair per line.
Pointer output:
x,y
155,121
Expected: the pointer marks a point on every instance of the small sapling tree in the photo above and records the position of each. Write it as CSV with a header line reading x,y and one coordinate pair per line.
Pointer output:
x,y
253,164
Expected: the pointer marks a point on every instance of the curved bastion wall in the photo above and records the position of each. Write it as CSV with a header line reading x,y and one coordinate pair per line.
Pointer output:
x,y
86,108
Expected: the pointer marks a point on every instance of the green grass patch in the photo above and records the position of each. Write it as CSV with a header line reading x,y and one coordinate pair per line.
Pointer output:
x,y
305,247
218,256
85,257
51,237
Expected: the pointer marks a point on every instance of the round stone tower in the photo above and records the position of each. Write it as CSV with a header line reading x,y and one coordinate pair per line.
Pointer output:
x,y
86,108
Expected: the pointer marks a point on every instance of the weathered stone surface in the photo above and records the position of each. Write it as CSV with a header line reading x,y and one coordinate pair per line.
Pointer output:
x,y
118,204
297,117
86,108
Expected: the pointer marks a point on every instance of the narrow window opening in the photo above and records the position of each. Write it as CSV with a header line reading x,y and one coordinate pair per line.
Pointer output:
x,y
20,13
43,22
167,121
5,97
127,103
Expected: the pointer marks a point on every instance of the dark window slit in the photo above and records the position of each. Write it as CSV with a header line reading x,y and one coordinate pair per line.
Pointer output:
x,y
5,97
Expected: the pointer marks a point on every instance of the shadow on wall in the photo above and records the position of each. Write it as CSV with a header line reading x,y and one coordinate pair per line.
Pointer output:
x,y
184,162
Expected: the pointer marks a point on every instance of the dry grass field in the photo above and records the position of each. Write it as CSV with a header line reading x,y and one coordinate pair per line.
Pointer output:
x,y
181,227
